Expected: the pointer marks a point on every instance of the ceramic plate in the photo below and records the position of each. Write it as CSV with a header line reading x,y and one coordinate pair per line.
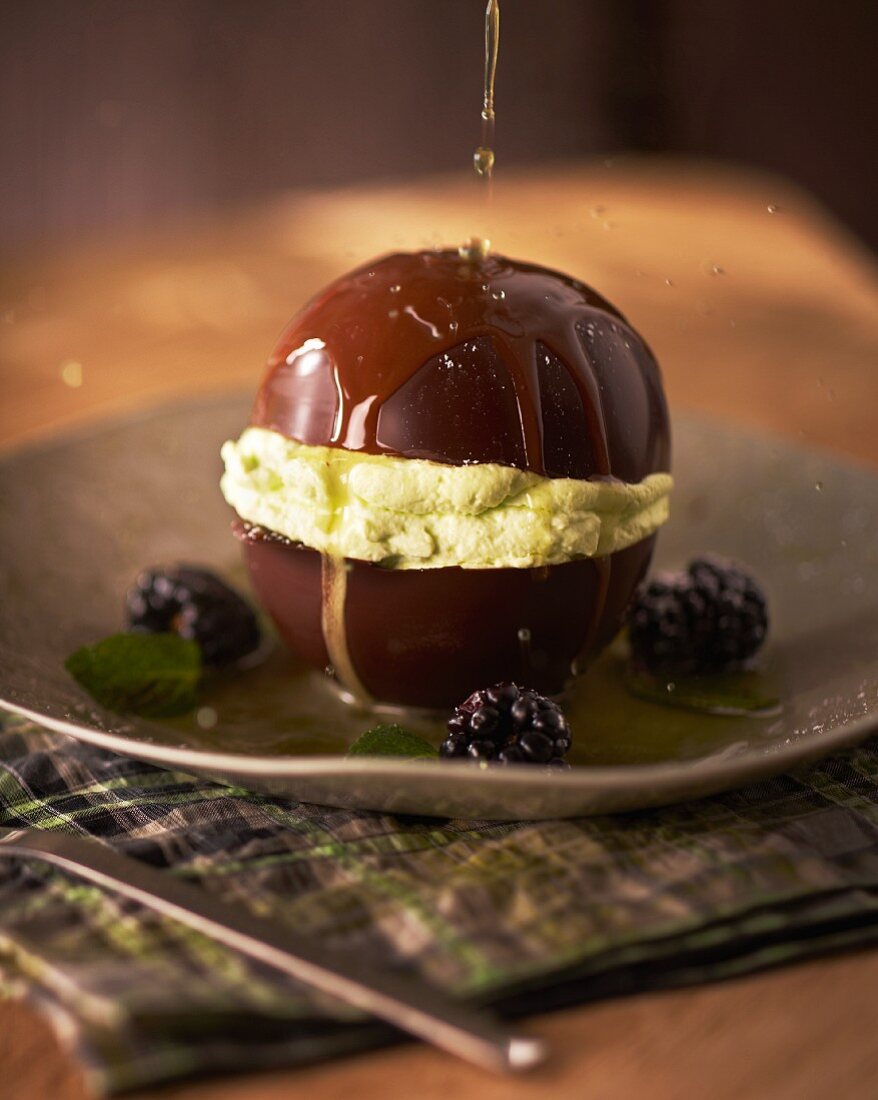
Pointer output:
x,y
79,518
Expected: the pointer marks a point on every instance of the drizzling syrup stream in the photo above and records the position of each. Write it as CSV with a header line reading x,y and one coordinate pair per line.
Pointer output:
x,y
334,583
483,157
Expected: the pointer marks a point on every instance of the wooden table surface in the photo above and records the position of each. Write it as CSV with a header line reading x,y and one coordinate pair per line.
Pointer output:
x,y
760,308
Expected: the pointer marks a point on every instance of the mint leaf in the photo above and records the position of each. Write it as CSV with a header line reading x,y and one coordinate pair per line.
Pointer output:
x,y
153,675
391,740
732,693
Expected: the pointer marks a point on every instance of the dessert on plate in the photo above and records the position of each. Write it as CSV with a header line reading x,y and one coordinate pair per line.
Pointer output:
x,y
453,475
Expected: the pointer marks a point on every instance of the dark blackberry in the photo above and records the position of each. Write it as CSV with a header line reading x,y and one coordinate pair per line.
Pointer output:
x,y
509,725
196,604
709,618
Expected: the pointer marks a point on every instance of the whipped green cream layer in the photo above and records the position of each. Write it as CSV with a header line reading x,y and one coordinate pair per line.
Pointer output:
x,y
409,513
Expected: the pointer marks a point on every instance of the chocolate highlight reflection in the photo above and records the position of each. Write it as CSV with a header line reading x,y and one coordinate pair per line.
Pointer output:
x,y
459,361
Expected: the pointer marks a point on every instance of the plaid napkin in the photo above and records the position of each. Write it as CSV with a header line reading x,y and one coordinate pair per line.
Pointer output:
x,y
524,916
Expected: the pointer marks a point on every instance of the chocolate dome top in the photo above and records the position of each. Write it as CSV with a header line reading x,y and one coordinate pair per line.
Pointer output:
x,y
428,355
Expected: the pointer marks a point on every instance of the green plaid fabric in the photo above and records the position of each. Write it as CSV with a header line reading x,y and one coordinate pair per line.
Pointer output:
x,y
524,916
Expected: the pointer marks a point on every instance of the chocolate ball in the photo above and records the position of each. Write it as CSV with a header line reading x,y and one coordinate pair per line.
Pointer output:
x,y
457,360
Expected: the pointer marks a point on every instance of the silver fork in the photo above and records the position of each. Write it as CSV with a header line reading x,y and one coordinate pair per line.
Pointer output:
x,y
408,1003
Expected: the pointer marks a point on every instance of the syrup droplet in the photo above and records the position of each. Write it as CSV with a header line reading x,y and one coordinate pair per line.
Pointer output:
x,y
524,650
483,161
71,374
476,248
206,717
772,208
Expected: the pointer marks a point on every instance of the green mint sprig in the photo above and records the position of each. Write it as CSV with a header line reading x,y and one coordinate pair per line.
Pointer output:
x,y
152,675
392,740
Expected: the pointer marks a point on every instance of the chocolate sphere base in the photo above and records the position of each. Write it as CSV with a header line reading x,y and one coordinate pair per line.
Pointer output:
x,y
430,637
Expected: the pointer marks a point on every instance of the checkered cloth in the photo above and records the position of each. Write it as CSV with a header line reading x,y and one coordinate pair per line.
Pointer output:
x,y
523,916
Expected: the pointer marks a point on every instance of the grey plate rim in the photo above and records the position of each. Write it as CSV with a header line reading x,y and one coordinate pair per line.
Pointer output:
x,y
711,770
666,780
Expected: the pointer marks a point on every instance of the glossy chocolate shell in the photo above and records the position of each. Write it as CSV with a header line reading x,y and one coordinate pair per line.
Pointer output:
x,y
429,355
426,355
429,637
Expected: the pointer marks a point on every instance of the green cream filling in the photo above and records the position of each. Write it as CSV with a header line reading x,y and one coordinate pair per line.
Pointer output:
x,y
409,513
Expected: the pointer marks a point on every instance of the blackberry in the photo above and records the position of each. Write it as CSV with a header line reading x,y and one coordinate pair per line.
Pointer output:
x,y
705,620
509,725
196,604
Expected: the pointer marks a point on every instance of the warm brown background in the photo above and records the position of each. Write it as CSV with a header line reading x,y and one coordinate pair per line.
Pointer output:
x,y
122,114
784,339
113,112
